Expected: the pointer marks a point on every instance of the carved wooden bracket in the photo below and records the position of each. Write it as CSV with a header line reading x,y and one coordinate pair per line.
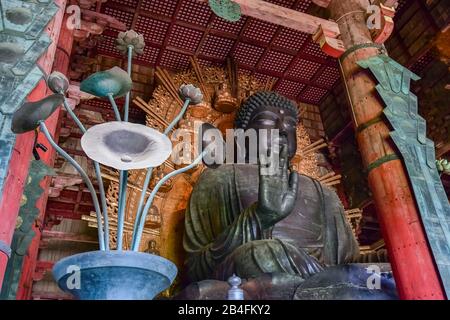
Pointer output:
x,y
86,4
379,36
74,96
328,42
80,64
103,19
93,23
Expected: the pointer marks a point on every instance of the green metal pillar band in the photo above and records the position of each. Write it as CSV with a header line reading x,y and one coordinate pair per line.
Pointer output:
x,y
361,46
5,248
382,160
369,123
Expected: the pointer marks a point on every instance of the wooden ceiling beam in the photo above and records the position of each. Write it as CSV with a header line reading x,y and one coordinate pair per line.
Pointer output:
x,y
68,237
387,3
286,17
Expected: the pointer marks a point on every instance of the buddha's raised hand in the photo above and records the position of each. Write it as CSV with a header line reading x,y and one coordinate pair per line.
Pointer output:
x,y
277,189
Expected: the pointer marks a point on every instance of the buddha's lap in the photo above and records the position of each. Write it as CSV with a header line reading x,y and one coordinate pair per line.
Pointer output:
x,y
268,256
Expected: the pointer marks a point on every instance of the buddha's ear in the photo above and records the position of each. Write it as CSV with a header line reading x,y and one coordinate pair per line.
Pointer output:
x,y
213,143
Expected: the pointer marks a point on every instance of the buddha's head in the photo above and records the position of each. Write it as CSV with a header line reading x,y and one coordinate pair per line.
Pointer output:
x,y
269,110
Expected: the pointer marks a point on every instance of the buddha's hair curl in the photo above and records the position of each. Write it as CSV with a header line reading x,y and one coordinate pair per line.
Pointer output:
x,y
261,99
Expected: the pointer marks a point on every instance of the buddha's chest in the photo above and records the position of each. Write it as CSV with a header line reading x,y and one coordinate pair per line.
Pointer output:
x,y
304,226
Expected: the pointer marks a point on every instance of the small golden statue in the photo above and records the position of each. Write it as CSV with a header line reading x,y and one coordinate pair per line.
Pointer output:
x,y
225,101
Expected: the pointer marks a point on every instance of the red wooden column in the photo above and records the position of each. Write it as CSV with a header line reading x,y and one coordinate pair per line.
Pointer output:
x,y
20,160
414,270
61,64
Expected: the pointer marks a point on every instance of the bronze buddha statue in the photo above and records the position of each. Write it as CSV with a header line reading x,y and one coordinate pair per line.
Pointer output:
x,y
282,228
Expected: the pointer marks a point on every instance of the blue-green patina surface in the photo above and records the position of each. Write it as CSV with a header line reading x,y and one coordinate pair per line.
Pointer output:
x,y
22,42
226,9
24,233
418,152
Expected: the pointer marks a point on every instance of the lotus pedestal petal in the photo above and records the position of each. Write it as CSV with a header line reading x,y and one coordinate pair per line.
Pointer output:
x,y
114,275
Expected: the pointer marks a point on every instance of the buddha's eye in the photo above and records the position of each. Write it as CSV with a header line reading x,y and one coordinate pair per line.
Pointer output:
x,y
291,122
265,122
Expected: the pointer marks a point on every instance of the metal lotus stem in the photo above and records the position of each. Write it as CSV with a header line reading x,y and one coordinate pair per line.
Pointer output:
x,y
123,179
150,170
148,177
178,117
85,177
114,105
127,97
153,194
98,175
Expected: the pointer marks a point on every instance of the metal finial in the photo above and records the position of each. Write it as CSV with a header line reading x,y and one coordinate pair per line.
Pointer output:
x,y
235,293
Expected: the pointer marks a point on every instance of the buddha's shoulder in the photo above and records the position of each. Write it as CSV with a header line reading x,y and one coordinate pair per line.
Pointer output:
x,y
309,185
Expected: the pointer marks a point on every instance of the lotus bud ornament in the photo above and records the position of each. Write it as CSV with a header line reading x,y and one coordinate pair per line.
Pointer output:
x,y
189,91
57,82
443,166
130,38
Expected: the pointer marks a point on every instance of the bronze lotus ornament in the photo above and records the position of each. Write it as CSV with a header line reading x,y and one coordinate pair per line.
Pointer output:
x,y
57,82
189,91
126,146
115,82
132,39
123,146
30,114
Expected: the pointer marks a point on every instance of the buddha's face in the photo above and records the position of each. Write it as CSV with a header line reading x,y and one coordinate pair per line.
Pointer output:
x,y
285,121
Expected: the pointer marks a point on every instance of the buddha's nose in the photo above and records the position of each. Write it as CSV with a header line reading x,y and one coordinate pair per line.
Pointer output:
x,y
281,126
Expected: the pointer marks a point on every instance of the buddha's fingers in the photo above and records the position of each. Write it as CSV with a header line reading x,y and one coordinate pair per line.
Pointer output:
x,y
263,165
284,162
293,182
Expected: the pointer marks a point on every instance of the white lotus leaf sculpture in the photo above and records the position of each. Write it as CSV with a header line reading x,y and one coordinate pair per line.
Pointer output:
x,y
126,146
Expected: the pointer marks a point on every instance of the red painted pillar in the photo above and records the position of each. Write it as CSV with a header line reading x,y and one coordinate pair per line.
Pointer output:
x,y
61,64
415,273
20,159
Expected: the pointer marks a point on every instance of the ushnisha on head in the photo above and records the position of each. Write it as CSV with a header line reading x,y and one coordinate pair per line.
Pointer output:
x,y
269,110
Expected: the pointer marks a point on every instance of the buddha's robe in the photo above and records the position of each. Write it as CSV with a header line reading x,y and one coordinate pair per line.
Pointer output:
x,y
223,234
